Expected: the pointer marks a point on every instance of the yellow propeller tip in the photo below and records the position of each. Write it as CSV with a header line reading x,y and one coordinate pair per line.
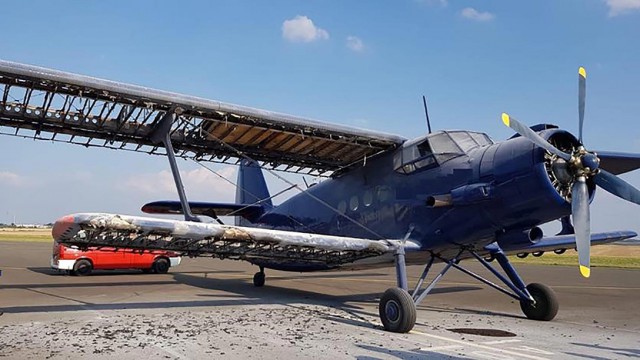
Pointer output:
x,y
582,72
505,119
585,271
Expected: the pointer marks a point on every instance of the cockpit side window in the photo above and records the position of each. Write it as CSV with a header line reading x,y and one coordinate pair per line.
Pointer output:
x,y
413,157
464,140
444,147
435,149
481,139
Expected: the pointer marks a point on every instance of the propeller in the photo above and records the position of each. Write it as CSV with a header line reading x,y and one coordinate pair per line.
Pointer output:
x,y
581,166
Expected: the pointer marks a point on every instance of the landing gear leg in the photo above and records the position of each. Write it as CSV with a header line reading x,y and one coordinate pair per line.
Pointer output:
x,y
259,278
397,309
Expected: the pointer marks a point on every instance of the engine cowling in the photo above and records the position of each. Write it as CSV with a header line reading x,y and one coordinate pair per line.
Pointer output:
x,y
516,238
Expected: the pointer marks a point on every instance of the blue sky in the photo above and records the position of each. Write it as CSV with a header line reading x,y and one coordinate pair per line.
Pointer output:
x,y
363,64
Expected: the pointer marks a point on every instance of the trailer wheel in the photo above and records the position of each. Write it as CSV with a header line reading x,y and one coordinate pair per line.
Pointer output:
x,y
82,267
161,266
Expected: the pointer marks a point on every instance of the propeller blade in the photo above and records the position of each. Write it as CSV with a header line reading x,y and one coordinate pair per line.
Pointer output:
x,y
581,223
526,132
617,186
582,92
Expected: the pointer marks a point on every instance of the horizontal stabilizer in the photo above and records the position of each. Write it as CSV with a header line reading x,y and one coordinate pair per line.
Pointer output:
x,y
559,242
618,163
250,212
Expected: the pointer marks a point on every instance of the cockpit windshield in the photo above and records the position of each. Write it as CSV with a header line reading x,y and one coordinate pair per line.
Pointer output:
x,y
434,149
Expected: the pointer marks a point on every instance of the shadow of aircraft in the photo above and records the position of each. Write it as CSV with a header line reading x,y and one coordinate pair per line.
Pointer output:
x,y
236,291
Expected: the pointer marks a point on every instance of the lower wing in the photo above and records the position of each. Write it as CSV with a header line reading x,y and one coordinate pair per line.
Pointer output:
x,y
223,241
563,242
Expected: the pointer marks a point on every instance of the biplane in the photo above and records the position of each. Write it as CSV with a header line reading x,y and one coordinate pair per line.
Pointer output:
x,y
386,200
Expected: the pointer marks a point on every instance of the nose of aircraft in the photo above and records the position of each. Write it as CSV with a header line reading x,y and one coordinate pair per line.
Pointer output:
x,y
61,226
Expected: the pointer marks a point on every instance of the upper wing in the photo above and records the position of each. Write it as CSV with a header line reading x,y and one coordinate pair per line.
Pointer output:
x,y
223,241
54,105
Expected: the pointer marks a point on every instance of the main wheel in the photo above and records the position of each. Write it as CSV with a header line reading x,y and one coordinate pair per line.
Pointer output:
x,y
397,310
259,279
82,267
161,266
545,307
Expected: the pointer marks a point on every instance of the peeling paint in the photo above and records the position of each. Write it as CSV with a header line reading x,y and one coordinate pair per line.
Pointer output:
x,y
195,231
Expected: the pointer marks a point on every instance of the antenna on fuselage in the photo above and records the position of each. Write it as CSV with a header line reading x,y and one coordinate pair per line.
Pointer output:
x,y
426,112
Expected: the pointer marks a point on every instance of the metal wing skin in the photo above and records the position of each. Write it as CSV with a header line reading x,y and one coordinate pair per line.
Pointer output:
x,y
49,104
222,241
560,242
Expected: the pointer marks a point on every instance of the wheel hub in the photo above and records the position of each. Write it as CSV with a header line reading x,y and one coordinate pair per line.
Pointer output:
x,y
392,310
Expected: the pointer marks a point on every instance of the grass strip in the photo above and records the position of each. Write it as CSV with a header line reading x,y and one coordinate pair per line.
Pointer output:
x,y
25,237
572,260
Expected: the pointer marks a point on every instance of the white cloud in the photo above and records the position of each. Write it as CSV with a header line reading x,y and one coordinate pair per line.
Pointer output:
x,y
619,7
12,179
200,184
355,43
473,14
442,3
302,29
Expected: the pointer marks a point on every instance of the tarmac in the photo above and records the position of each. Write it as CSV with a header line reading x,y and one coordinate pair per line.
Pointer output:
x,y
209,308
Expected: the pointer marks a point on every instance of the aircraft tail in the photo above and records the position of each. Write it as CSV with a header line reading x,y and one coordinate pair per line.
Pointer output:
x,y
252,188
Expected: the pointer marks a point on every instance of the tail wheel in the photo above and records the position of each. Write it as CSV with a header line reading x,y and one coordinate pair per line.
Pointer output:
x,y
161,266
82,267
545,306
259,279
397,311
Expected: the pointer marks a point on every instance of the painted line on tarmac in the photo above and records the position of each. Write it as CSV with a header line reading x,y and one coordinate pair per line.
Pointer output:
x,y
496,342
517,355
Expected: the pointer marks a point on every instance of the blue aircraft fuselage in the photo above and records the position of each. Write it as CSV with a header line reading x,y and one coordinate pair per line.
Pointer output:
x,y
472,198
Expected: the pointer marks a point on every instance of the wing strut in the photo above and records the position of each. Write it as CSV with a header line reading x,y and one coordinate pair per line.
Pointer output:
x,y
162,134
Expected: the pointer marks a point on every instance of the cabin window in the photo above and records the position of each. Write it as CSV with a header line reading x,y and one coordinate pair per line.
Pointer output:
x,y
367,198
342,207
353,203
384,194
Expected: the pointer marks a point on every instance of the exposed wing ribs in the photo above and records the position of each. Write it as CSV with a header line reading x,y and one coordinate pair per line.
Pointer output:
x,y
53,105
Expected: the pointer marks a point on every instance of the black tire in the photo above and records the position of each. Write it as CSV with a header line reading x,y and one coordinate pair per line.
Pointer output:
x,y
489,258
559,251
537,253
397,311
161,266
545,307
522,255
82,267
259,279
